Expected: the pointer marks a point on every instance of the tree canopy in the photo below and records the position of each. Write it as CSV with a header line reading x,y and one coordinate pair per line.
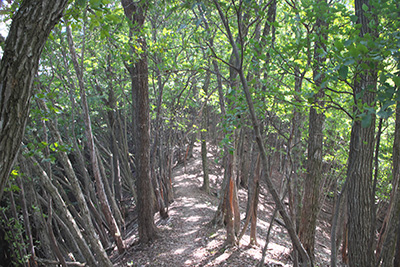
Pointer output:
x,y
100,100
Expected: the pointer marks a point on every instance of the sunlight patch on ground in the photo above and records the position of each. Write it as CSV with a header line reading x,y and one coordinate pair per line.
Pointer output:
x,y
188,262
221,258
202,205
193,219
179,251
278,249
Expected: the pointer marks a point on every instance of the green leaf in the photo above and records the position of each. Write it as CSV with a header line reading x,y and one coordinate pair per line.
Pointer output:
x,y
95,3
396,80
343,71
349,61
365,7
339,45
354,52
113,18
362,48
366,120
385,114
81,3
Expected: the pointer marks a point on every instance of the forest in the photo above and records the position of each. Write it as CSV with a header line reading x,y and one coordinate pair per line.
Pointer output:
x,y
199,133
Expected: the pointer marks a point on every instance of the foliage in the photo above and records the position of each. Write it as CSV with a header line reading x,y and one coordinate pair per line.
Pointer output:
x,y
184,38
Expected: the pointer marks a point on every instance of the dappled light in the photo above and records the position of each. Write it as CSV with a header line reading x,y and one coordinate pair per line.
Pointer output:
x,y
188,238
199,133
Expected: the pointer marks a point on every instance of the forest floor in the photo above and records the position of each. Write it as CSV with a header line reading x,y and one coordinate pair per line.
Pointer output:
x,y
187,239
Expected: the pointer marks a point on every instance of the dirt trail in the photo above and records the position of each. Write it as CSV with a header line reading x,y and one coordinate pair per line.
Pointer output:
x,y
186,239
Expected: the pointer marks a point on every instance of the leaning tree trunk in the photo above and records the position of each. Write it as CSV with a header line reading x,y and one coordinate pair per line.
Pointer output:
x,y
29,30
115,232
360,167
79,195
63,211
256,126
136,13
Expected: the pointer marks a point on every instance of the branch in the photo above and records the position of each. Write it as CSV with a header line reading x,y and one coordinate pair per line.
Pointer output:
x,y
338,107
220,59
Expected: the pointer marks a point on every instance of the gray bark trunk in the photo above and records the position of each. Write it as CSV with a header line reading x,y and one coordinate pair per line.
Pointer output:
x,y
360,165
29,30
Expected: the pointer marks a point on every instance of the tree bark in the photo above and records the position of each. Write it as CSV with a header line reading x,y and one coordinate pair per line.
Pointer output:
x,y
136,13
28,33
229,198
360,167
391,231
311,205
386,248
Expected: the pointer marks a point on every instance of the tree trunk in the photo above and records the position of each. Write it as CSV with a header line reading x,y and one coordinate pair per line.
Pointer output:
x,y
311,205
79,196
30,27
64,212
390,233
386,248
271,188
204,133
115,232
136,13
254,203
31,248
116,171
360,165
230,231
37,218
293,161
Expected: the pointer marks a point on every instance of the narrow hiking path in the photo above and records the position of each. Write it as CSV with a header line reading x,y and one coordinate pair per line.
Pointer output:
x,y
187,239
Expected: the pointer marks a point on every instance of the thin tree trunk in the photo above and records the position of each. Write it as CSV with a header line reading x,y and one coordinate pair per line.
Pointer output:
x,y
79,196
64,212
116,171
31,248
37,219
335,223
293,157
230,228
53,239
111,198
204,133
386,248
254,206
115,232
289,224
251,195
17,232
